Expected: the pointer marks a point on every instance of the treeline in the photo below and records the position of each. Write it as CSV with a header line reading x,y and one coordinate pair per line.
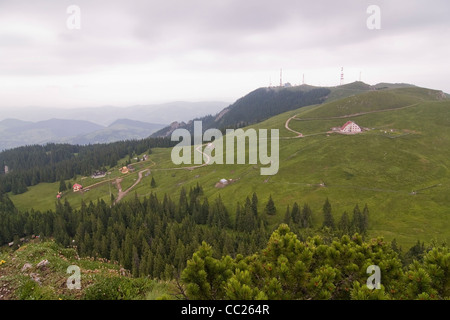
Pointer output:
x,y
30,165
264,103
153,236
302,218
257,106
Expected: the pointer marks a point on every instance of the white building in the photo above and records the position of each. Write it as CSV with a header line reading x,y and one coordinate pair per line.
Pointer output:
x,y
350,127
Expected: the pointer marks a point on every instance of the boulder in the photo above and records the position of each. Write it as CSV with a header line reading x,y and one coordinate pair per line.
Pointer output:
x,y
42,264
35,277
26,266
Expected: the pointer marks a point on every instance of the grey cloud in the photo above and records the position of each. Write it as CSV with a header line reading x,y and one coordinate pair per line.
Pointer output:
x,y
234,34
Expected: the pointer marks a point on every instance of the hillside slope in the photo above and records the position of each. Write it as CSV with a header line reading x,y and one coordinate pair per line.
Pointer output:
x,y
255,107
263,103
399,166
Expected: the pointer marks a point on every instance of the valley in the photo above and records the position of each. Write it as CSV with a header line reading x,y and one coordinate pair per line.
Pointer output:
x,y
392,172
340,201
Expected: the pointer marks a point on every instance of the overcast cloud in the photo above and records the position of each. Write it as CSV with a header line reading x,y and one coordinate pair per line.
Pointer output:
x,y
141,52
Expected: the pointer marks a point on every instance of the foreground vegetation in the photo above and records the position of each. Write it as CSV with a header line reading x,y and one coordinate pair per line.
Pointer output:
x,y
151,248
286,269
289,269
22,278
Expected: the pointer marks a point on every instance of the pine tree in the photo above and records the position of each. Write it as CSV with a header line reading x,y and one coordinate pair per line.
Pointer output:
x,y
62,185
238,218
255,204
153,183
395,247
365,219
204,212
296,214
344,224
328,220
135,262
248,218
287,216
183,206
270,207
306,217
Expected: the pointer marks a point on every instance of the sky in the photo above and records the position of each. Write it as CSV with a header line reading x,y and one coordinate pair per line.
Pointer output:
x,y
139,52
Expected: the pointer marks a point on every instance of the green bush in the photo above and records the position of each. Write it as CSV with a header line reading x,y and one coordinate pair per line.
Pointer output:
x,y
31,290
118,288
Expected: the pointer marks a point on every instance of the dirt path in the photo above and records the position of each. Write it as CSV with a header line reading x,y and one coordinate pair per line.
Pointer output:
x,y
117,181
286,125
192,167
354,114
300,135
124,193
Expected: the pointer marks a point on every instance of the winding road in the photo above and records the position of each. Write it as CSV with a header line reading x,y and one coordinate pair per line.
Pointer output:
x,y
300,135
122,194
286,125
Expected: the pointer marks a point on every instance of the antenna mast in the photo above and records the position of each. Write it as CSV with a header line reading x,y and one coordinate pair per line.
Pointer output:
x,y
281,77
342,76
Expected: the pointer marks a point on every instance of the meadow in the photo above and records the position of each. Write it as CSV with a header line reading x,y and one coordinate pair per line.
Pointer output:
x,y
398,167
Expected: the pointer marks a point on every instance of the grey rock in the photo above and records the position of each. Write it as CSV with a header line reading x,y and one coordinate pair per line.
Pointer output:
x,y
26,266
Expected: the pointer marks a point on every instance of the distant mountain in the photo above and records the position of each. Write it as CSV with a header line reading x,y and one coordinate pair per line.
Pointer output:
x,y
155,113
24,126
15,133
65,128
134,123
122,129
13,123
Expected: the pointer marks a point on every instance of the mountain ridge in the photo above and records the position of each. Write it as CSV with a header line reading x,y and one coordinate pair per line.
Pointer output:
x,y
105,115
16,133
257,106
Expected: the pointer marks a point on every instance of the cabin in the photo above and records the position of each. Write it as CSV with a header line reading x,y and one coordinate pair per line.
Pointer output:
x,y
350,127
124,170
77,187
98,174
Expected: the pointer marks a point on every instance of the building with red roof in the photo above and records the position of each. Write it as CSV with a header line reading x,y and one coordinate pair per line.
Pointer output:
x,y
77,187
350,127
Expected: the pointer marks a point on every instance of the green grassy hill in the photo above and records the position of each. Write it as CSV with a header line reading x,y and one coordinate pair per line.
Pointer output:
x,y
375,101
399,167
